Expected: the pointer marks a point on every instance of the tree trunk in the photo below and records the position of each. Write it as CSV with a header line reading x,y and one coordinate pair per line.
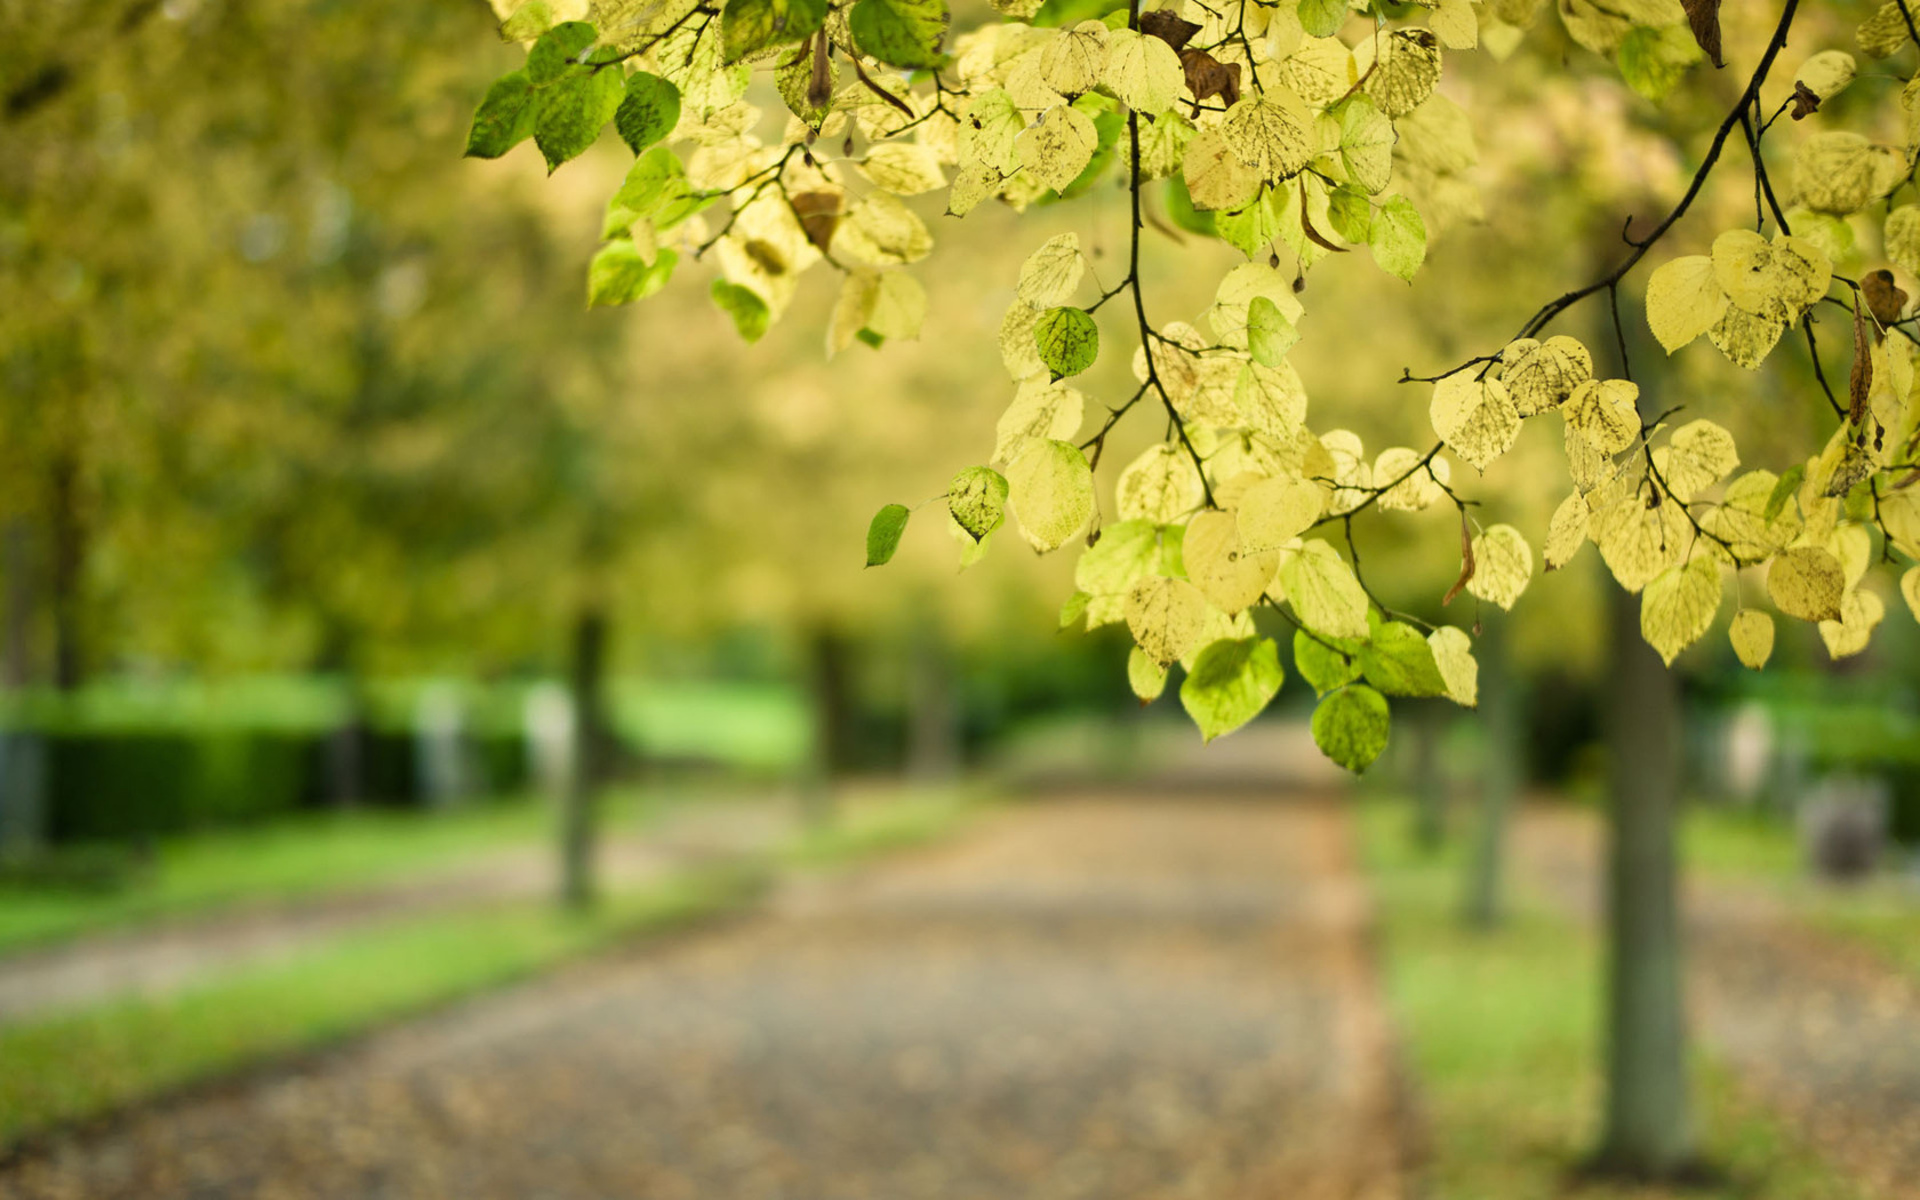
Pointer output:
x,y
1482,904
1649,1131
828,682
1429,776
933,730
577,808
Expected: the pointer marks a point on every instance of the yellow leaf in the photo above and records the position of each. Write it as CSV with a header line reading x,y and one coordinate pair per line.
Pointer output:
x,y
1474,417
1841,172
1910,590
1605,413
1640,533
1018,349
1406,72
1166,617
1271,133
1041,411
1216,178
1741,520
1684,300
1453,654
1542,375
1502,565
904,168
1051,274
1074,60
1415,491
1058,146
1052,492
1677,607
1807,582
880,231
1274,512
1744,338
1325,595
1860,611
1228,575
1566,531
1161,486
1902,237
1776,281
1699,455
1144,72
1752,636
1827,73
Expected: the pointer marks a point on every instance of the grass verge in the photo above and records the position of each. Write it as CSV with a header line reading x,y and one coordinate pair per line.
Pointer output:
x,y
85,1064
1502,1035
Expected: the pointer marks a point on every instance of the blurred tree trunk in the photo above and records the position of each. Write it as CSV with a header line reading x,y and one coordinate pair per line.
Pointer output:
x,y
578,825
830,707
1483,903
345,780
1648,1129
1429,777
68,548
933,731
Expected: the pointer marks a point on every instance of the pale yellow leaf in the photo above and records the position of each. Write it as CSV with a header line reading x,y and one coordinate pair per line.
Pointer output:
x,y
1166,617
1541,375
1041,411
1502,565
1453,654
1274,512
1808,583
1474,417
1678,605
1058,146
1605,413
1684,300
1321,587
1161,486
1051,273
1860,612
1752,636
1566,531
1228,575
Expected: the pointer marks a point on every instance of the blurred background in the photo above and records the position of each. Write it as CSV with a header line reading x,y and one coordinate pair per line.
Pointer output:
x,y
362,595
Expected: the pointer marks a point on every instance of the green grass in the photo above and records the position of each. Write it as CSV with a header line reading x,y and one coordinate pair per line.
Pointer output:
x,y
1501,1032
296,859
86,1063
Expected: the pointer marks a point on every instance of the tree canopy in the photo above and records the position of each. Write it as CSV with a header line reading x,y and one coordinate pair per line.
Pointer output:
x,y
1306,135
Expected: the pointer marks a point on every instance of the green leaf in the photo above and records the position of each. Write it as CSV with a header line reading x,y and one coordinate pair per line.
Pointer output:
x,y
1398,238
1350,213
744,305
1068,341
1350,726
1146,677
618,275
977,499
750,26
1783,490
1324,667
649,112
572,111
557,50
1180,209
883,535
871,339
902,33
1398,661
1231,681
1074,609
1251,230
504,118
1269,334
1652,60
1323,18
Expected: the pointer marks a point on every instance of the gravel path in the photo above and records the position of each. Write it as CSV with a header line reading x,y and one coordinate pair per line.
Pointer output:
x,y
1083,999
1824,1033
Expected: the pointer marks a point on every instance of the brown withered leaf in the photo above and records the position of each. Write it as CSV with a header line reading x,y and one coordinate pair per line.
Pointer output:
x,y
1885,300
1207,77
1860,380
819,214
1466,567
1169,27
1806,101
1703,16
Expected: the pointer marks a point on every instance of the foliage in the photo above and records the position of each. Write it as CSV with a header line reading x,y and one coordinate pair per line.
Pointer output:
x,y
1296,132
